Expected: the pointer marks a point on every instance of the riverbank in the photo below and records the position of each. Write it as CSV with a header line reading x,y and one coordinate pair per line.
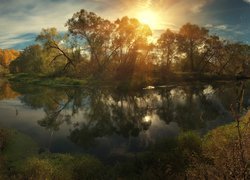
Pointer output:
x,y
43,80
36,79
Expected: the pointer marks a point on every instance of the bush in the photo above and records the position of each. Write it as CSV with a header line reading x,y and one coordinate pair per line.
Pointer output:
x,y
190,142
62,166
39,169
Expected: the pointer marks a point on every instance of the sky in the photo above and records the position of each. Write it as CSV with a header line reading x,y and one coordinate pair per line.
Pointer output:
x,y
22,20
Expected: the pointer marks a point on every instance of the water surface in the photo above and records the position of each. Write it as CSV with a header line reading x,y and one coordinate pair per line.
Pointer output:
x,y
108,123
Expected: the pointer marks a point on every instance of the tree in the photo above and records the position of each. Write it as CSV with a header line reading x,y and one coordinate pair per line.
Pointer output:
x,y
57,46
234,59
95,33
30,61
111,46
167,47
192,38
210,53
8,55
130,41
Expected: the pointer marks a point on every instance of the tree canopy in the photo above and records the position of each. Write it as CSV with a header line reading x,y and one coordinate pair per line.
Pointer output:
x,y
123,50
8,55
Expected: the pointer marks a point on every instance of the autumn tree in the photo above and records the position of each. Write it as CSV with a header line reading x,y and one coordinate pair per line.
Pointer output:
x,y
8,55
209,54
167,49
111,46
95,34
130,41
234,59
192,38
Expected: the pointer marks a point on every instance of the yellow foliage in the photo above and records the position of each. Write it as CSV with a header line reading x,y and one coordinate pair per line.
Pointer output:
x,y
8,55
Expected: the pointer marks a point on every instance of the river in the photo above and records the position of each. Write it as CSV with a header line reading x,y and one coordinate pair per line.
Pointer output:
x,y
109,123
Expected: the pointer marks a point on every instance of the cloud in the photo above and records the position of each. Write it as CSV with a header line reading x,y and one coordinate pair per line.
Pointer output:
x,y
209,26
17,41
199,5
233,33
30,16
223,27
247,1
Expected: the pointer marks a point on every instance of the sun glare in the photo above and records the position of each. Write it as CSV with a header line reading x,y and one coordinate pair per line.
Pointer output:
x,y
150,18
147,119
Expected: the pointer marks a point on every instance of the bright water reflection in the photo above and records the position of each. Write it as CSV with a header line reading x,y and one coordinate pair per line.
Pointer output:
x,y
108,123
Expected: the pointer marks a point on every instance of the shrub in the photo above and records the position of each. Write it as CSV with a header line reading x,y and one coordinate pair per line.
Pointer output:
x,y
62,166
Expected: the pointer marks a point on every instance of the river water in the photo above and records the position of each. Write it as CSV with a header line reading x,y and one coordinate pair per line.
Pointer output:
x,y
107,123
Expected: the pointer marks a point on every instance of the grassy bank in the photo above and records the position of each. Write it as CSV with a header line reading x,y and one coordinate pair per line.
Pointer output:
x,y
40,79
36,79
20,159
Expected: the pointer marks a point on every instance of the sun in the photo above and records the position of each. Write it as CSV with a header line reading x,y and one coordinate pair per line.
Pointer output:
x,y
150,18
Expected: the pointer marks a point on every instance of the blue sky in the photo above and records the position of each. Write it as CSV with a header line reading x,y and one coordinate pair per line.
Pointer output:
x,y
22,20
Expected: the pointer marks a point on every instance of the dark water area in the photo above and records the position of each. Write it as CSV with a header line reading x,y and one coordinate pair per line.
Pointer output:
x,y
109,123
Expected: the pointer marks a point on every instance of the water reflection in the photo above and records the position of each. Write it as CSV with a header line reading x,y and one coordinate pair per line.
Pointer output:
x,y
104,121
6,92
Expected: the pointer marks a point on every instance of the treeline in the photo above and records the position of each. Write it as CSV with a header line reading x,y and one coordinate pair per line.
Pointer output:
x,y
122,50
6,56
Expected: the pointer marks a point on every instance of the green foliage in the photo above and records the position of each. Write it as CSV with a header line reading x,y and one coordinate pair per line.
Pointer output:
x,y
20,159
18,148
62,166
40,79
39,169
30,61
190,142
220,137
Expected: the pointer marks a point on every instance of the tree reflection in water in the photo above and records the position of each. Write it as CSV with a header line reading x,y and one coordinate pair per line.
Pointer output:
x,y
93,113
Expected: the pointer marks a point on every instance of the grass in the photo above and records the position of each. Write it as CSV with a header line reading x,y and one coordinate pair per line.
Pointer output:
x,y
44,80
62,166
20,160
40,79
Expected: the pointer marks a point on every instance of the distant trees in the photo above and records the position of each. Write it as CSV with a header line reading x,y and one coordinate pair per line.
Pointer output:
x,y
192,49
120,50
8,55
30,60
234,59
